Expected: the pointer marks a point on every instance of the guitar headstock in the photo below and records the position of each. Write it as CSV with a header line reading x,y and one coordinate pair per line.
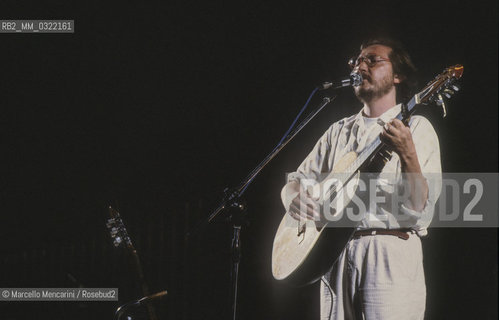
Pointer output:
x,y
117,229
444,85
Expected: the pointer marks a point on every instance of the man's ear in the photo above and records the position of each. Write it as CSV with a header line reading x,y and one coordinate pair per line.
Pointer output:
x,y
398,79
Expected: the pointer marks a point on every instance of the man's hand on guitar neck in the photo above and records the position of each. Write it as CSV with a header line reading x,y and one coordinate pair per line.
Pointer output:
x,y
398,136
298,203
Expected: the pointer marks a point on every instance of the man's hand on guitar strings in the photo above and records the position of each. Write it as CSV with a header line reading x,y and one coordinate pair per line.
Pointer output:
x,y
303,206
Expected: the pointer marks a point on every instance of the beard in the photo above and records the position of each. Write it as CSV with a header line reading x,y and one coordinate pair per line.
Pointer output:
x,y
374,90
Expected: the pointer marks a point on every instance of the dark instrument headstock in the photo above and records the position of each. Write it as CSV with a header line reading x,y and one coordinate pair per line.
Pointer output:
x,y
117,229
444,85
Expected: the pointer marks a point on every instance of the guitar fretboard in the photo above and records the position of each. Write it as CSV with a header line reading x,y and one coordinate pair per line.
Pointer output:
x,y
370,150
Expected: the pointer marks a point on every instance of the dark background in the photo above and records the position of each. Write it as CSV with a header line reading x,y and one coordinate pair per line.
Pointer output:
x,y
156,107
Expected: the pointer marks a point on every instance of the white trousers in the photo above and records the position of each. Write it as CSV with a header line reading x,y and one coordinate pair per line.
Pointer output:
x,y
376,277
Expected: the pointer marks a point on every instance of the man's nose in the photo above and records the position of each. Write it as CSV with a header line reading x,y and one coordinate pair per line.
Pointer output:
x,y
362,66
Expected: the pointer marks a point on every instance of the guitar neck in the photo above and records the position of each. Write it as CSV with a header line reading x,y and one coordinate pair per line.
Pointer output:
x,y
141,279
121,238
366,155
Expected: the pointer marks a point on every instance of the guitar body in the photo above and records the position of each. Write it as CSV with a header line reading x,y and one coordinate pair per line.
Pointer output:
x,y
301,258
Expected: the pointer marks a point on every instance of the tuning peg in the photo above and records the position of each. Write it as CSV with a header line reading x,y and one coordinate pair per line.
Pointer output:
x,y
440,102
117,241
455,87
448,93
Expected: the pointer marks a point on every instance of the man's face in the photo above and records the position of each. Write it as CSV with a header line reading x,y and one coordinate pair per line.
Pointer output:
x,y
378,79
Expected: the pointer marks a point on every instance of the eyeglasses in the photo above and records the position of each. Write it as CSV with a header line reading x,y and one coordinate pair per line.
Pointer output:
x,y
370,60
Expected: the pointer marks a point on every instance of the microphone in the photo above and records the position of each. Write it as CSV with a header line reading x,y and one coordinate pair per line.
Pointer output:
x,y
355,79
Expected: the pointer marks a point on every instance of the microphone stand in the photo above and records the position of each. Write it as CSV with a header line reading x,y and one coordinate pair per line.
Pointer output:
x,y
236,206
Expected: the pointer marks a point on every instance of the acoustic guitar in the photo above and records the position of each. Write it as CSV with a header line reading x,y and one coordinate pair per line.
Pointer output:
x,y
304,250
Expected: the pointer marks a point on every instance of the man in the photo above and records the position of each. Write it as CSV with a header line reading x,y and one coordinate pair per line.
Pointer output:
x,y
379,274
